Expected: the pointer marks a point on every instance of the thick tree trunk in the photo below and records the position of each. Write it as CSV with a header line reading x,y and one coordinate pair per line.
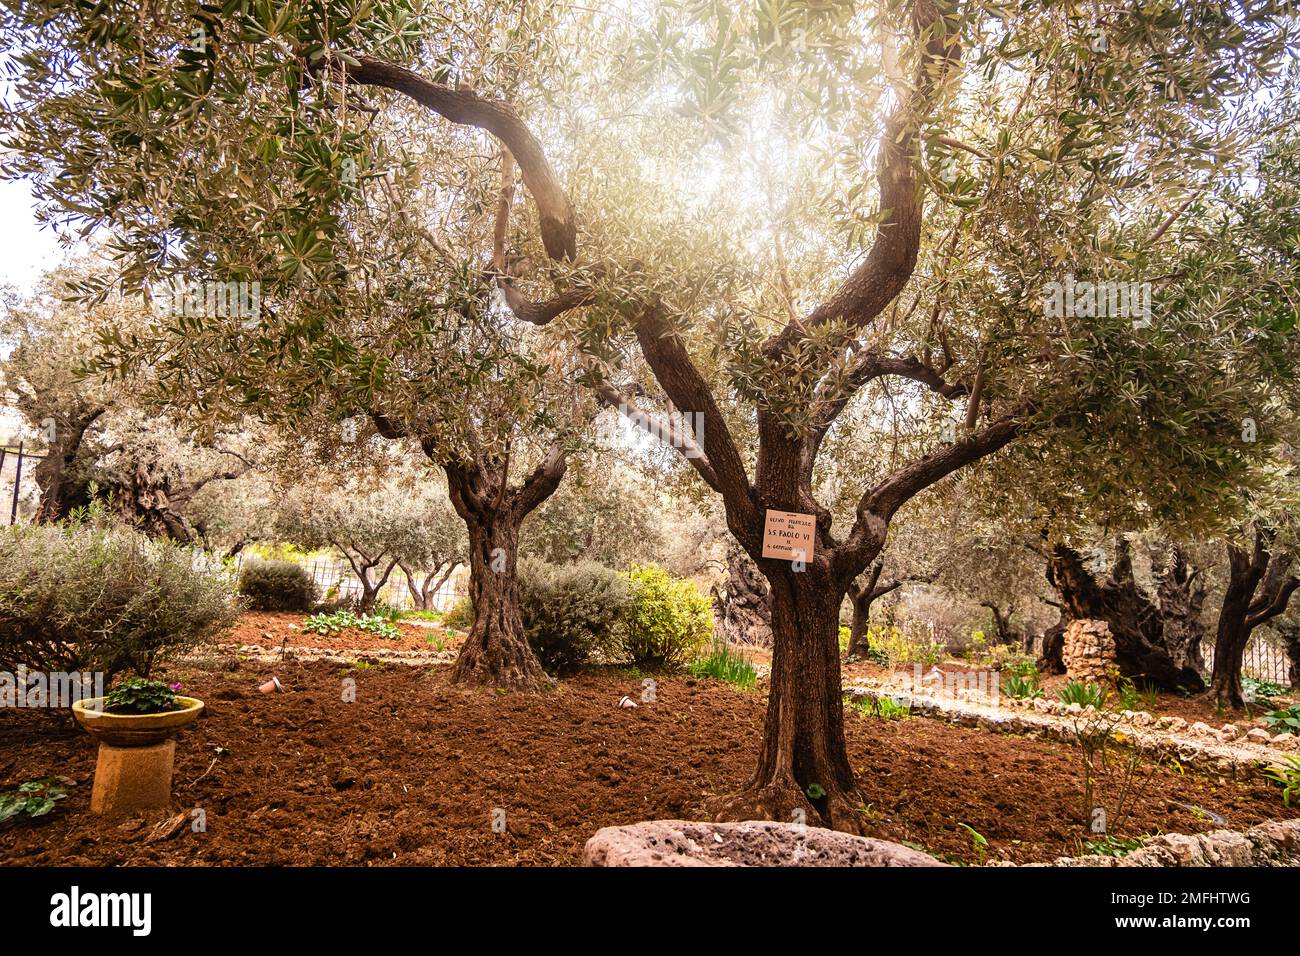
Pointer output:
x,y
1051,659
859,627
1001,623
863,594
496,653
804,762
740,602
1135,623
1181,591
1260,585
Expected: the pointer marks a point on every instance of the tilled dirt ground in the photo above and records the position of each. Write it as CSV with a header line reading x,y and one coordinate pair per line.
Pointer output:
x,y
272,630
414,772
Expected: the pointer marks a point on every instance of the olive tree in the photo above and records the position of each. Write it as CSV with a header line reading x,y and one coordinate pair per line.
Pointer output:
x,y
747,218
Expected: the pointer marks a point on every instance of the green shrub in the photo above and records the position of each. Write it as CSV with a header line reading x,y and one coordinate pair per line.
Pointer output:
x,y
277,586
1085,695
1261,689
669,620
725,664
883,708
1022,688
1132,697
461,615
95,595
1286,719
33,799
571,613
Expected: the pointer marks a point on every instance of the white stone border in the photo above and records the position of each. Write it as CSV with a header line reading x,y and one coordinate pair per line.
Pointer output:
x,y
1197,743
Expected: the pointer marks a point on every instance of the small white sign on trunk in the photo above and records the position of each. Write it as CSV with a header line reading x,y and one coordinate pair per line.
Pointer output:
x,y
789,536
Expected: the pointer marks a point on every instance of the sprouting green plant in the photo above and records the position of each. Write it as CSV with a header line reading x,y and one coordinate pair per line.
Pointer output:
x,y
1111,845
140,696
1085,695
725,664
328,624
815,791
1022,688
1286,719
877,656
1131,697
979,843
884,708
1021,667
436,642
433,616
1256,689
33,799
1286,774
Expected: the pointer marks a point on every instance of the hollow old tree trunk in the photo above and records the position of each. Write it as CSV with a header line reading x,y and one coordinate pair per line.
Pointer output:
x,y
740,602
496,653
1135,623
1260,585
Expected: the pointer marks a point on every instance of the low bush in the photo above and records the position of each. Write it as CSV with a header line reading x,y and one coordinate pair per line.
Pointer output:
x,y
1255,689
277,586
1133,697
461,615
1286,774
669,621
95,595
883,708
571,612
33,799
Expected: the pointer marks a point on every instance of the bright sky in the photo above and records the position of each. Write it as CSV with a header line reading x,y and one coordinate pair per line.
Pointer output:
x,y
25,249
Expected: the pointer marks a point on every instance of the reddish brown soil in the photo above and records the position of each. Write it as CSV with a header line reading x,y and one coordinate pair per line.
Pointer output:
x,y
411,773
270,629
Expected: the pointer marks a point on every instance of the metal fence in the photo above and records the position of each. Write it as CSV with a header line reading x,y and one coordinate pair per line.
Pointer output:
x,y
16,466
1263,660
335,578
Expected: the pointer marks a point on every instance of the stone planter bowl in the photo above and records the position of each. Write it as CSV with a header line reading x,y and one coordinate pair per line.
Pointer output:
x,y
134,730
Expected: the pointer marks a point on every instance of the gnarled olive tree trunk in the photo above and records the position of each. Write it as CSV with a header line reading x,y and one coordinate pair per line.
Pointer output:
x,y
1135,623
742,610
496,652
1260,585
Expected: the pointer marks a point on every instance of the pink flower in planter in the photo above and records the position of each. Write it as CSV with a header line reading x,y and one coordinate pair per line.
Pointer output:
x,y
175,687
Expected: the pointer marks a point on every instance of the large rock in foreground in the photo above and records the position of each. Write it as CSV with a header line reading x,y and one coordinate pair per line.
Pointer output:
x,y
752,843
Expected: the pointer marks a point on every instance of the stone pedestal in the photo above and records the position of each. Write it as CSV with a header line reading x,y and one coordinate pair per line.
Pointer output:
x,y
131,779
1088,651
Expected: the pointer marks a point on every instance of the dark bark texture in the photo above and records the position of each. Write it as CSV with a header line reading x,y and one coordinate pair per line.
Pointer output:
x,y
1135,622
